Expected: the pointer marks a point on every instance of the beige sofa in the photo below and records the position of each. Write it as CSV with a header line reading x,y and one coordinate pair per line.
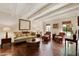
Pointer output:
x,y
21,37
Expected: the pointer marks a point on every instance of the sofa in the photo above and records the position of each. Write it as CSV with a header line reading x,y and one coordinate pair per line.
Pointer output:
x,y
23,36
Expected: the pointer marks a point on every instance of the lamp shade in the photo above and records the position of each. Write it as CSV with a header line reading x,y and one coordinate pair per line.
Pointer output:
x,y
6,29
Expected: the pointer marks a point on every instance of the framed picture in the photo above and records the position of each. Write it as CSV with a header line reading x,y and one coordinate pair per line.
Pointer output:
x,y
24,24
55,25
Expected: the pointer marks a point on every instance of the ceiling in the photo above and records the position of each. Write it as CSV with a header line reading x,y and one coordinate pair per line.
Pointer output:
x,y
11,12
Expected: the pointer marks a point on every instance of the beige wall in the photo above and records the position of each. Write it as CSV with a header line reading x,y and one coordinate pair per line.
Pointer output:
x,y
40,26
37,26
59,21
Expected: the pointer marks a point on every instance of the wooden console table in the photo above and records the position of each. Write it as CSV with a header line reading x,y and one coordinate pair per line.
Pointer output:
x,y
5,41
71,40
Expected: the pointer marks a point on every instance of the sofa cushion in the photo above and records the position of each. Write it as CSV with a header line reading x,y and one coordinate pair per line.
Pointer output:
x,y
18,34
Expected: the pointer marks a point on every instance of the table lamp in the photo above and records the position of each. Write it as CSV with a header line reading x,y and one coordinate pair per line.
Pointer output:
x,y
6,29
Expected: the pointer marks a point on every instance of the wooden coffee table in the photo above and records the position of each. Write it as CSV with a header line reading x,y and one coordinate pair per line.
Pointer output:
x,y
33,44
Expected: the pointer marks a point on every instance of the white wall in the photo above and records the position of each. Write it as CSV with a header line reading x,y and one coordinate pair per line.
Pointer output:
x,y
39,26
59,21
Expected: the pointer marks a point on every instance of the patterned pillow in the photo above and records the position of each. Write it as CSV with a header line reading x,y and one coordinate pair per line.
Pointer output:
x,y
18,34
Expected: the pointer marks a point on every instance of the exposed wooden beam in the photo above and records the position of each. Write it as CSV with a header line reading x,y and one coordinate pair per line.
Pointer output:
x,y
32,15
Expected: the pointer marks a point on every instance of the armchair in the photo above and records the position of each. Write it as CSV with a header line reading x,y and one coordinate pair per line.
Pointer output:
x,y
47,36
58,38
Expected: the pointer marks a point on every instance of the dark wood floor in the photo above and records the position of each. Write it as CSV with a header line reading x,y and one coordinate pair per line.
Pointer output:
x,y
50,48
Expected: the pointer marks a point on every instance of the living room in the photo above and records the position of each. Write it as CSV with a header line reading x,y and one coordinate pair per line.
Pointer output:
x,y
38,29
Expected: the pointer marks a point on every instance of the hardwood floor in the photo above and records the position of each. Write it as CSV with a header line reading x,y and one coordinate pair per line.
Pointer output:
x,y
50,48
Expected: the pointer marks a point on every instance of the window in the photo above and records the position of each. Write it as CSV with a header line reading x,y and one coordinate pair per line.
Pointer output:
x,y
67,28
48,27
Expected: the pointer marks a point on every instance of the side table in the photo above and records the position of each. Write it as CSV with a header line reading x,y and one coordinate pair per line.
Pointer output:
x,y
71,40
5,41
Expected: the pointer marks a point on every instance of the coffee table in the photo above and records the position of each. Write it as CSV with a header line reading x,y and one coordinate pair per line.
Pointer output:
x,y
33,44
